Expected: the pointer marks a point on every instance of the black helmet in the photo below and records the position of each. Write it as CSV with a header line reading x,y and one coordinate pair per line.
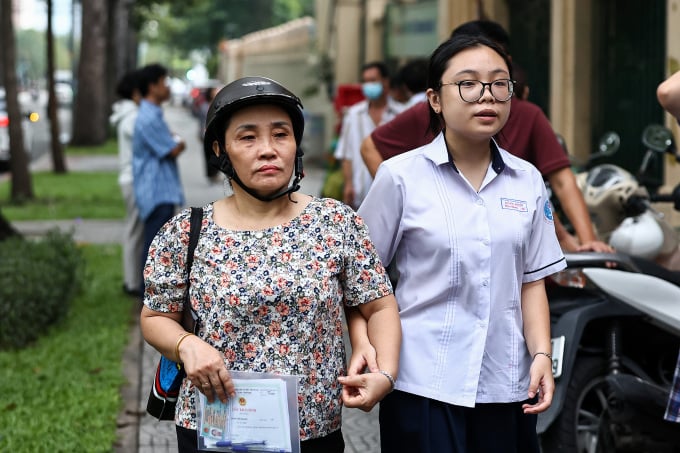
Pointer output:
x,y
246,92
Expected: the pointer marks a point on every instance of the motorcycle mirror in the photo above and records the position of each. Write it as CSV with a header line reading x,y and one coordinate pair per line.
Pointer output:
x,y
657,138
609,143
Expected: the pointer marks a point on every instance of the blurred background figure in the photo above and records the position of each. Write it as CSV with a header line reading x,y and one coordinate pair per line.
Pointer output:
x,y
157,186
207,95
359,121
521,81
668,94
123,119
414,77
398,91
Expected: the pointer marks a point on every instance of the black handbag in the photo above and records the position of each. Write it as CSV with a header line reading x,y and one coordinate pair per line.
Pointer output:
x,y
170,374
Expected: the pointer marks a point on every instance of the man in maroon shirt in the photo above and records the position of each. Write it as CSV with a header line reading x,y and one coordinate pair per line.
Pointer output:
x,y
527,134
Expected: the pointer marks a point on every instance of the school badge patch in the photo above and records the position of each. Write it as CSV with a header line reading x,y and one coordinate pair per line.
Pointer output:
x,y
547,211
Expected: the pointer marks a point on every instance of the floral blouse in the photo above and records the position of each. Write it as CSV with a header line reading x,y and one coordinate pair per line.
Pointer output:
x,y
271,300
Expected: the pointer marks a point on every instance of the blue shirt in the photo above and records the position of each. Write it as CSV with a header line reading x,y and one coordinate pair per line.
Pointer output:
x,y
155,174
462,257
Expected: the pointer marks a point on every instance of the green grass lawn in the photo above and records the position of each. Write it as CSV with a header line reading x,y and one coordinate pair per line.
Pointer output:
x,y
85,195
62,394
110,147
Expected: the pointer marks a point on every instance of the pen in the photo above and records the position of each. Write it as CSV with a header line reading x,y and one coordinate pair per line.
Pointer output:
x,y
248,446
254,448
246,443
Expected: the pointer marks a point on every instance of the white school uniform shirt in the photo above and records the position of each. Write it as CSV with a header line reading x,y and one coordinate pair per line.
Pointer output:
x,y
462,257
356,126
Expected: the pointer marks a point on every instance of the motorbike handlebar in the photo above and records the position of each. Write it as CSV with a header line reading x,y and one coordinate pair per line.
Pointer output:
x,y
661,198
597,259
673,197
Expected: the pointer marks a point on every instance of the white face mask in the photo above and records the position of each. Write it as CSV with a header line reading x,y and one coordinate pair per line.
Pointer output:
x,y
372,90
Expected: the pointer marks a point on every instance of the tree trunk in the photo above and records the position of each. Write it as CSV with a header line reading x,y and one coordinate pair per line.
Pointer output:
x,y
90,115
22,187
6,228
121,44
58,159
113,68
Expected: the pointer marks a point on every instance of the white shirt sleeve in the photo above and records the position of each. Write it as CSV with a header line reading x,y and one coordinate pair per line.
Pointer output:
x,y
544,255
382,210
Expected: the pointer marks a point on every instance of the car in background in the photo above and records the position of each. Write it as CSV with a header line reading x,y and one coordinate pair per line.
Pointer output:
x,y
27,119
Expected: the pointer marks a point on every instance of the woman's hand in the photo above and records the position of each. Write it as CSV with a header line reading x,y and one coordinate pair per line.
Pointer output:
x,y
363,356
205,367
364,391
542,383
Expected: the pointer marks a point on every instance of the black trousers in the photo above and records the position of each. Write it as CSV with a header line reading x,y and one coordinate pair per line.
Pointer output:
x,y
411,423
332,443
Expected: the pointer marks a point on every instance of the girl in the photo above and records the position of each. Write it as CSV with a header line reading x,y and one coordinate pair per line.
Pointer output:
x,y
469,230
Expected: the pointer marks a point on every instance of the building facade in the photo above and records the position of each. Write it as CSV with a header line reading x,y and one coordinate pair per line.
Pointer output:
x,y
593,66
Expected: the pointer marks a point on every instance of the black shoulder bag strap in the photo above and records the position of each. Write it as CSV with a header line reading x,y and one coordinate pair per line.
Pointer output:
x,y
189,316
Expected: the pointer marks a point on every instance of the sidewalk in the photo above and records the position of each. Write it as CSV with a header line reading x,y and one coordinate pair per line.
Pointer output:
x,y
138,431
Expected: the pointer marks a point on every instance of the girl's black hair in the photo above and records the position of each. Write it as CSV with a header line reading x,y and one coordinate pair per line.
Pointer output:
x,y
439,62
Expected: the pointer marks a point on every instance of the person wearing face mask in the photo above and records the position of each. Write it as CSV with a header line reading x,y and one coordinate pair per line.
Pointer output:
x,y
359,121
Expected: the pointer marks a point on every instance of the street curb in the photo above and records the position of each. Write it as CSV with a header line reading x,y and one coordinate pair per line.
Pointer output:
x,y
128,419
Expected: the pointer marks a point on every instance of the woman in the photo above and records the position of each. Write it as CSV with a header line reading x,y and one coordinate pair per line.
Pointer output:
x,y
471,234
272,271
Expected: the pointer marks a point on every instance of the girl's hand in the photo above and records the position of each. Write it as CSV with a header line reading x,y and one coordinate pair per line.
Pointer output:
x,y
542,382
205,367
364,391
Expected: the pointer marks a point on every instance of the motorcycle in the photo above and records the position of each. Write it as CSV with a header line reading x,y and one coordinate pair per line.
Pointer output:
x,y
615,333
607,146
616,330
621,208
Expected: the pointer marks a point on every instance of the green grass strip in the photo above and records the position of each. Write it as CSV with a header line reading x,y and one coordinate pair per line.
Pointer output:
x,y
110,147
74,195
62,394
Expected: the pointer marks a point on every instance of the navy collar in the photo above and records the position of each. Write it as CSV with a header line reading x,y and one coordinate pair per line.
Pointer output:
x,y
497,162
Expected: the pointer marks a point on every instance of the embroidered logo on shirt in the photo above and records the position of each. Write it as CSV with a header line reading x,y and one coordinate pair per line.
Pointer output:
x,y
514,205
547,211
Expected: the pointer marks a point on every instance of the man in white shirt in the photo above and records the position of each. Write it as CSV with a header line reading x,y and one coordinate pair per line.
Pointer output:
x,y
358,123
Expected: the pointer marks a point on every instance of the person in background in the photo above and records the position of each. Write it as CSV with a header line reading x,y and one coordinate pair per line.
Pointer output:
x,y
521,82
469,229
208,94
359,121
414,76
157,186
272,272
398,91
668,94
527,134
123,119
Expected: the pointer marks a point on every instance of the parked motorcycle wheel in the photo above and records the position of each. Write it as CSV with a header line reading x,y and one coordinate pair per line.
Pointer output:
x,y
584,425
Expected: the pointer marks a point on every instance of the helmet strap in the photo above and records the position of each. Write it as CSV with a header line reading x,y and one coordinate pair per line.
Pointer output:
x,y
223,163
